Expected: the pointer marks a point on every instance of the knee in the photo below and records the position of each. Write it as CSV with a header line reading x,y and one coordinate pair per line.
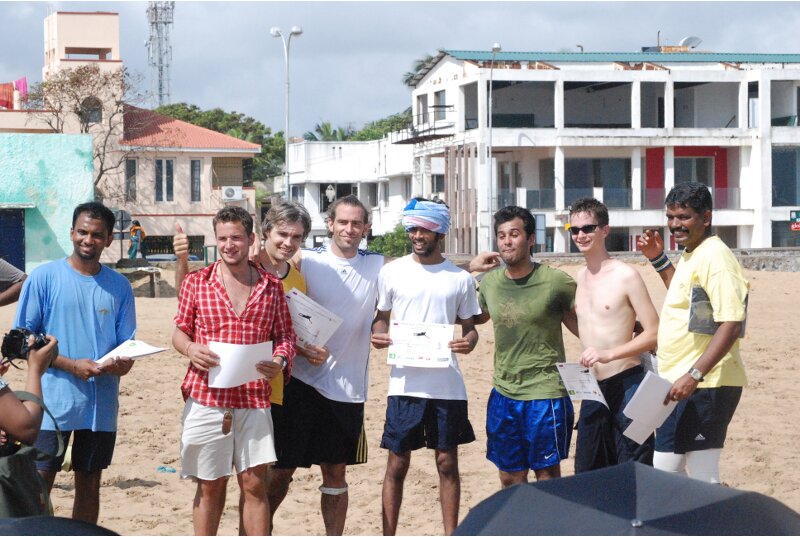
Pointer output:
x,y
253,483
334,475
447,464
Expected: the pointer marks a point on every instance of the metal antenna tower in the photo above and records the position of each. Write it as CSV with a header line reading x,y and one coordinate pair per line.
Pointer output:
x,y
159,51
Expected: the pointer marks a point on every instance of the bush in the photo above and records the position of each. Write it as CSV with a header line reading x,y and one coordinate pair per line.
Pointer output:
x,y
392,244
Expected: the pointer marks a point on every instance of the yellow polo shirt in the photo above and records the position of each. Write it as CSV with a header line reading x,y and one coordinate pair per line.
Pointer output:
x,y
713,267
292,280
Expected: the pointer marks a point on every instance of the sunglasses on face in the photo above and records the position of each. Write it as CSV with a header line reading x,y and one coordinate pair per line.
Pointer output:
x,y
588,228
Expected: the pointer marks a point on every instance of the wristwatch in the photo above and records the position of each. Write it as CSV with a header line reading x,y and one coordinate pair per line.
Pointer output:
x,y
696,374
284,362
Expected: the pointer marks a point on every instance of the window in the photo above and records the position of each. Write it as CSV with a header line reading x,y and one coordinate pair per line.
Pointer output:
x,y
247,172
384,190
297,193
328,193
439,105
422,109
91,110
130,179
694,170
163,179
785,177
195,186
437,183
372,195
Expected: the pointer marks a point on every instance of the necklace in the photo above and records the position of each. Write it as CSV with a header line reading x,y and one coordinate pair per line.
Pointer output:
x,y
249,291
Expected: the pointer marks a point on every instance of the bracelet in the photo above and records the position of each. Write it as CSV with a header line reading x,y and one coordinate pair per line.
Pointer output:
x,y
186,352
660,262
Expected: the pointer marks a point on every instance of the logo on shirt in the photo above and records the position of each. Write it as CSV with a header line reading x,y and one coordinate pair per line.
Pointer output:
x,y
509,314
103,311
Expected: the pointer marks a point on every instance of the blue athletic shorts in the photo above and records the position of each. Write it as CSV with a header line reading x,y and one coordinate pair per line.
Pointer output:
x,y
522,435
91,450
699,422
414,422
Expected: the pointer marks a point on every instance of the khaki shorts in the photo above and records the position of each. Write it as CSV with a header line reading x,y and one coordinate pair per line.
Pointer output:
x,y
208,454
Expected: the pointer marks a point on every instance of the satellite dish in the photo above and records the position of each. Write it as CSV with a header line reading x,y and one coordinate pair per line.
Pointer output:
x,y
690,41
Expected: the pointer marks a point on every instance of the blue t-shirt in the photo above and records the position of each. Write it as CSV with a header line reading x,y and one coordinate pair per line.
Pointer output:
x,y
90,316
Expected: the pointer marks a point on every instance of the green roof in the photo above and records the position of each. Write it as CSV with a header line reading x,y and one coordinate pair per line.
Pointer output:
x,y
655,57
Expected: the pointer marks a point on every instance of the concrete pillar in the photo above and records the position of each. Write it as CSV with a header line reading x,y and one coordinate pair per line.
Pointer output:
x,y
636,104
762,225
637,179
669,168
558,105
742,106
669,105
558,172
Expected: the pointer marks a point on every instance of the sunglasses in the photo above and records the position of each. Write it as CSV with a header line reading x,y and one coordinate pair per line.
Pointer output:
x,y
588,228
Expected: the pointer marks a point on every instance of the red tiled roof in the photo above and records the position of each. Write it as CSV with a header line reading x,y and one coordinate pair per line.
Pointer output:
x,y
146,128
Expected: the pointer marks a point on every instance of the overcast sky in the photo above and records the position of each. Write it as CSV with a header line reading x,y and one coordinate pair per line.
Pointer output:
x,y
348,65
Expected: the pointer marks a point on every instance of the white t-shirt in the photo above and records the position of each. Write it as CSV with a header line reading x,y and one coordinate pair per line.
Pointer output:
x,y
431,294
349,288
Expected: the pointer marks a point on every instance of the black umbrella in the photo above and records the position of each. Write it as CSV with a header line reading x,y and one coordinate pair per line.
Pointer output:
x,y
628,499
50,525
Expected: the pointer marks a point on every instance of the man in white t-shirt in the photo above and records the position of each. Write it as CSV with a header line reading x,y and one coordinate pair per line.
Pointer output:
x,y
324,402
426,406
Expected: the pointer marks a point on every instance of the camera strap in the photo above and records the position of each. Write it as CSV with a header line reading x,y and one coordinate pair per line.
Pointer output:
x,y
28,396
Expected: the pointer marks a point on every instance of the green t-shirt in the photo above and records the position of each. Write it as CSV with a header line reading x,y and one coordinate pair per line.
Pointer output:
x,y
526,315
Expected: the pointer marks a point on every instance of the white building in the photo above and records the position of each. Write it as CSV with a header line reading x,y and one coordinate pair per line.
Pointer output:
x,y
622,127
378,172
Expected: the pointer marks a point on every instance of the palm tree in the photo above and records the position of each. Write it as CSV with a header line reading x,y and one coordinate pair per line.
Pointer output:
x,y
418,66
324,132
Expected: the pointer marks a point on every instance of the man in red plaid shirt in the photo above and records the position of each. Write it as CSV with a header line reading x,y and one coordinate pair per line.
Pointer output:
x,y
232,301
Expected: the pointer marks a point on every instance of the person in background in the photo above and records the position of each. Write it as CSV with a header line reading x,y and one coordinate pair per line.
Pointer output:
x,y
137,236
11,279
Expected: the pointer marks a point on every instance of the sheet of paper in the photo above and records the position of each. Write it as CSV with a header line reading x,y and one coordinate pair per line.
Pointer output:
x,y
312,323
420,344
580,383
133,348
649,362
237,363
647,409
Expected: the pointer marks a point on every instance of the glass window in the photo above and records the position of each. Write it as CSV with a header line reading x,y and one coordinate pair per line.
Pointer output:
x,y
785,177
297,193
372,194
164,179
422,109
440,105
91,110
694,170
130,179
195,186
328,193
437,182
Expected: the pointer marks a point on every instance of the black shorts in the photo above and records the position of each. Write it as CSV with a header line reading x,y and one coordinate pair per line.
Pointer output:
x,y
600,440
699,422
318,430
414,422
91,450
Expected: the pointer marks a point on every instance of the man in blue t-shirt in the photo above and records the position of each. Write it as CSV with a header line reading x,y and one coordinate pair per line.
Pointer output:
x,y
90,309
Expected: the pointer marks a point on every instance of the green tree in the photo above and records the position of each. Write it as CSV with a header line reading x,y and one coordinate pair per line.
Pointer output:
x,y
418,66
266,164
375,130
394,244
324,132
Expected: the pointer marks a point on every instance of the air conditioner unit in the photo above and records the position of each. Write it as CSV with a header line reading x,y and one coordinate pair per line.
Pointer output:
x,y
231,193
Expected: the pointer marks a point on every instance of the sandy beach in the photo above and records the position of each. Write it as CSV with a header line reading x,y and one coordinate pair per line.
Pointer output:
x,y
761,453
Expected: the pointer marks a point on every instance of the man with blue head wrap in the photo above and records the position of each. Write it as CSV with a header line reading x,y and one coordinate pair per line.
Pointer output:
x,y
427,407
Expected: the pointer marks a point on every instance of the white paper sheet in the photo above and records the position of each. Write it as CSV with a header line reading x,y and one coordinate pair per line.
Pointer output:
x,y
237,363
420,344
647,409
580,383
133,348
312,323
649,362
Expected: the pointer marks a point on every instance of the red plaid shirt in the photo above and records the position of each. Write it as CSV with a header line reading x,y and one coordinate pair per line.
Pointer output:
x,y
205,313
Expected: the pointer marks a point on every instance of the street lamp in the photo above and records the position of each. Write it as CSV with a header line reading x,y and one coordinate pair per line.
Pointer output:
x,y
276,32
492,197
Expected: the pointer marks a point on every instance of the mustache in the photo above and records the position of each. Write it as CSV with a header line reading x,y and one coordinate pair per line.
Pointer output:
x,y
681,229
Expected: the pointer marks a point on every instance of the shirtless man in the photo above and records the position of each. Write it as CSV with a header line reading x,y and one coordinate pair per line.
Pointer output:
x,y
611,295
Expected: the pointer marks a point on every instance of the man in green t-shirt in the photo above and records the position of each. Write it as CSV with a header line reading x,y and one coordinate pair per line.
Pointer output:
x,y
529,416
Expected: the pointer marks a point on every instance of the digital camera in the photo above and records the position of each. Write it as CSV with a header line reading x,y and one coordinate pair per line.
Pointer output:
x,y
16,344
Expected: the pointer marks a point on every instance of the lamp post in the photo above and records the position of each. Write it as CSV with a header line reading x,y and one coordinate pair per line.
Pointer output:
x,y
276,32
492,191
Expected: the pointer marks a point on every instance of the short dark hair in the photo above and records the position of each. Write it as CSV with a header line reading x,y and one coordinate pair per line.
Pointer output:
x,y
96,211
287,212
232,213
506,214
351,200
694,195
591,206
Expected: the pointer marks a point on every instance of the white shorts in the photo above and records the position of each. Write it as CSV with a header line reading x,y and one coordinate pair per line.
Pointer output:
x,y
208,454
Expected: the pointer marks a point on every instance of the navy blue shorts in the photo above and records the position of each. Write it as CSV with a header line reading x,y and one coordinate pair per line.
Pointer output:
x,y
522,435
414,422
699,422
91,450
600,439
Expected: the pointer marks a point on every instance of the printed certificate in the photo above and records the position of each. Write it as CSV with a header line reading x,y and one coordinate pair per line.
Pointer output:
x,y
580,383
420,344
237,363
312,323
647,409
133,349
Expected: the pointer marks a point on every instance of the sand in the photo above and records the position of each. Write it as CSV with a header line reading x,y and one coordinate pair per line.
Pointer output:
x,y
761,453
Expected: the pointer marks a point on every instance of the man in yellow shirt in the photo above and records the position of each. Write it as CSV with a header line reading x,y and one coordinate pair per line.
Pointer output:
x,y
705,368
